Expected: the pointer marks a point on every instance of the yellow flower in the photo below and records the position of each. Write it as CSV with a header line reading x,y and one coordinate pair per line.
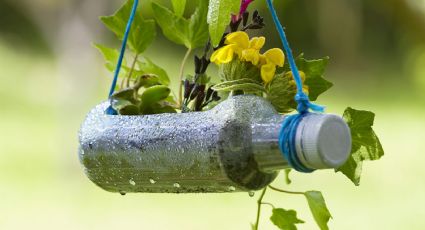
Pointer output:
x,y
224,54
252,54
257,43
275,56
267,72
238,43
239,39
268,61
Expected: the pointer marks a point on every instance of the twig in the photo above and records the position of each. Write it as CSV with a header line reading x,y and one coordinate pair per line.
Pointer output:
x,y
259,203
186,56
270,204
133,65
285,191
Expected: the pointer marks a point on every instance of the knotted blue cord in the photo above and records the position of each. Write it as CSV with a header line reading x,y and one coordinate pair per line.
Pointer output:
x,y
287,142
110,110
290,124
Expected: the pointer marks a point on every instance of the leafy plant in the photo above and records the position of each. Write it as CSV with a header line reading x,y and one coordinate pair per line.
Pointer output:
x,y
221,28
192,32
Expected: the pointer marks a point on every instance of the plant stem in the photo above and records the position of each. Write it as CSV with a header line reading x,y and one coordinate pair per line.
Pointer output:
x,y
259,203
271,205
133,65
285,191
186,56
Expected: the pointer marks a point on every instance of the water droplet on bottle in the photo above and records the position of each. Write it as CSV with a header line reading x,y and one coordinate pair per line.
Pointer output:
x,y
231,188
251,193
176,185
152,181
122,193
132,182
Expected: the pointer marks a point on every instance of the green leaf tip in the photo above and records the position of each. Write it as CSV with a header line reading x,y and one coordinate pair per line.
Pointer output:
x,y
179,6
110,55
365,143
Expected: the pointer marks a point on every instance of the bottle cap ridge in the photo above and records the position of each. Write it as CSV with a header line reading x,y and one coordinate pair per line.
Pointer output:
x,y
323,141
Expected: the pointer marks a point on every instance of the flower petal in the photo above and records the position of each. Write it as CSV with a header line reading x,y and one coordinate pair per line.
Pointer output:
x,y
257,43
223,55
267,72
251,55
275,56
239,38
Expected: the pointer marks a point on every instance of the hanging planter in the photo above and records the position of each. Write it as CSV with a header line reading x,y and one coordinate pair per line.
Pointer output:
x,y
233,147
228,136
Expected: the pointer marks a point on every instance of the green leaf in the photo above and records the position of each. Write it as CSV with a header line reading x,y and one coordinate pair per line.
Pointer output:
x,y
110,55
173,27
142,36
142,32
191,33
198,27
154,94
314,70
318,208
245,84
125,94
148,67
281,93
219,15
179,6
125,107
162,107
365,143
145,80
285,219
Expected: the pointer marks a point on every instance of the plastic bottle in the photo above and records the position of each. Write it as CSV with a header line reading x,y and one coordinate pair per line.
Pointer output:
x,y
233,147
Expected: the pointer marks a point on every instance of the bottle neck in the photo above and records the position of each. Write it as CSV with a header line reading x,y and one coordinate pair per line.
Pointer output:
x,y
322,141
265,145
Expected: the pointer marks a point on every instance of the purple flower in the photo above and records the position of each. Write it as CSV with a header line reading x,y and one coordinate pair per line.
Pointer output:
x,y
244,7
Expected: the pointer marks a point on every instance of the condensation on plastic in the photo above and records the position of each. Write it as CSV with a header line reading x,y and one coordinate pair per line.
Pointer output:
x,y
233,147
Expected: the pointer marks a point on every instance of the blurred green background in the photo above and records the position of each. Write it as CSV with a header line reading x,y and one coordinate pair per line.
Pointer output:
x,y
50,77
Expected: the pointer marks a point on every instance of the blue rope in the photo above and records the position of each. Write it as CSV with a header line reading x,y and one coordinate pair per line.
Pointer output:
x,y
301,98
287,142
291,122
110,110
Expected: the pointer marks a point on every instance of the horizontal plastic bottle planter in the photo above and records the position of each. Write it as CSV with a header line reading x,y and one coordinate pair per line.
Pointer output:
x,y
233,147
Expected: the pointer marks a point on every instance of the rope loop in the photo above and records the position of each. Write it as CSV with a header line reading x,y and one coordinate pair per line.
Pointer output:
x,y
287,143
